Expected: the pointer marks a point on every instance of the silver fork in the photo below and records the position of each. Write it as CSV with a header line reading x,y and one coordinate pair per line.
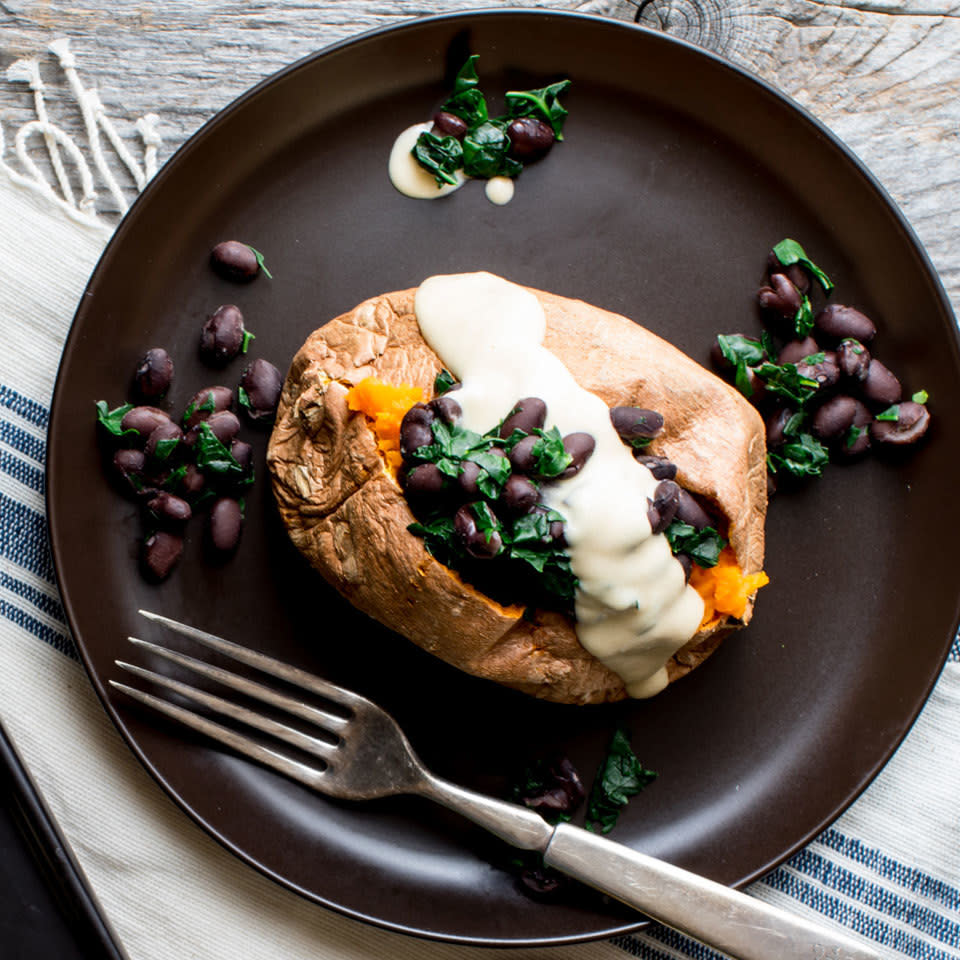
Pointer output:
x,y
366,755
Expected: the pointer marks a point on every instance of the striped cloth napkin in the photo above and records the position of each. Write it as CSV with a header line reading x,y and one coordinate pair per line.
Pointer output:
x,y
888,870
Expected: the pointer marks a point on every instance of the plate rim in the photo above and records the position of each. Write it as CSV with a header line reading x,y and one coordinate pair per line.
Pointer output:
x,y
182,154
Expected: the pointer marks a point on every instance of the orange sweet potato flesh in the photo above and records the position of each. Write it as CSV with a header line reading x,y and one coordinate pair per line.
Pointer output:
x,y
345,512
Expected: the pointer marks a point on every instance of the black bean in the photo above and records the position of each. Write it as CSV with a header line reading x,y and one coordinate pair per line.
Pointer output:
x,y
528,414
580,446
780,297
144,420
689,511
153,375
521,456
660,467
262,383
129,466
236,261
826,372
222,336
193,482
163,441
519,495
776,423
880,386
423,480
418,413
542,881
835,417
413,436
794,272
853,358
856,441
837,320
556,534
530,138
223,423
635,424
467,478
161,551
169,509
225,523
685,562
559,790
482,544
446,124
797,350
911,424
663,508
205,402
446,409
242,452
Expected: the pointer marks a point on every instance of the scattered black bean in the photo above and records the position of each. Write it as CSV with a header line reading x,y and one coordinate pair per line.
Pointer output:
x,y
262,383
169,509
685,561
482,544
129,466
561,791
193,482
880,386
835,417
794,273
663,508
415,429
911,424
236,261
161,551
423,480
580,446
154,374
689,511
541,881
826,372
242,452
223,423
528,414
162,433
224,524
221,337
776,423
447,124
521,456
222,400
635,424
797,350
467,478
660,467
837,320
556,533
853,358
446,409
530,138
780,297
144,420
856,442
519,495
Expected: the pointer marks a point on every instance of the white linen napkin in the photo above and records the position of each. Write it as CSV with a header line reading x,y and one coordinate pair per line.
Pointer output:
x,y
888,870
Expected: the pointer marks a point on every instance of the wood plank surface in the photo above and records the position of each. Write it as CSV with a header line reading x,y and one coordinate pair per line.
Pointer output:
x,y
883,74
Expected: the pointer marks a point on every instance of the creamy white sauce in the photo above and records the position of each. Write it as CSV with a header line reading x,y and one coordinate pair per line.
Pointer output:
x,y
408,176
499,190
634,609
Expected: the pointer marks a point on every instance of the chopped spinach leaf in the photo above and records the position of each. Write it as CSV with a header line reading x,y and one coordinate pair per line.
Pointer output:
x,y
702,546
247,337
784,380
742,352
243,397
260,261
789,252
485,152
921,396
805,456
175,478
853,435
814,358
803,318
111,420
892,413
542,104
549,453
442,156
620,776
165,448
214,458
443,382
466,101
206,406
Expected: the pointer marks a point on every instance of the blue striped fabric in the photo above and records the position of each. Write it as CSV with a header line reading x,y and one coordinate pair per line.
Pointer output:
x,y
891,903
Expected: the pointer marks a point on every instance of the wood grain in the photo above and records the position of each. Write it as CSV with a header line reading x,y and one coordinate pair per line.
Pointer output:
x,y
883,74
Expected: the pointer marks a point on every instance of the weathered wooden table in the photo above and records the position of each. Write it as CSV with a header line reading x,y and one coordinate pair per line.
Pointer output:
x,y
883,74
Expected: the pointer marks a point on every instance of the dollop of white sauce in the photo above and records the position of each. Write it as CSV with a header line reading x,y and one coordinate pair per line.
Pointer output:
x,y
499,190
633,606
408,176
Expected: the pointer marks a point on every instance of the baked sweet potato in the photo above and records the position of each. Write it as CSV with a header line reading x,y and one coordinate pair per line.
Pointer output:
x,y
347,514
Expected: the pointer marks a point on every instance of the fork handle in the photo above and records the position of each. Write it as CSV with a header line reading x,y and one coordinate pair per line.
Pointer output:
x,y
726,919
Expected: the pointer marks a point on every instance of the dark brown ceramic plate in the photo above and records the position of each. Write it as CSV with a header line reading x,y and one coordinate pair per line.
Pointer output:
x,y
677,174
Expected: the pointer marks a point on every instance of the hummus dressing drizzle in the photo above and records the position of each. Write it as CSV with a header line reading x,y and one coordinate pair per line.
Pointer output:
x,y
634,609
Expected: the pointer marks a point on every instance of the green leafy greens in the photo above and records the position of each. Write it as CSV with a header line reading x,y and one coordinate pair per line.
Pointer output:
x,y
111,420
789,252
702,546
467,101
485,149
804,456
260,261
542,104
620,777
215,459
443,382
442,156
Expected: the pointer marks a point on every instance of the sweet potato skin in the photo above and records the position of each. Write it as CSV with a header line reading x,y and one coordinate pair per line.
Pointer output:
x,y
348,516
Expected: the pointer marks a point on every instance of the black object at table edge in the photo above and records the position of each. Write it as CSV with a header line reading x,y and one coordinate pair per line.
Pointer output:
x,y
55,860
